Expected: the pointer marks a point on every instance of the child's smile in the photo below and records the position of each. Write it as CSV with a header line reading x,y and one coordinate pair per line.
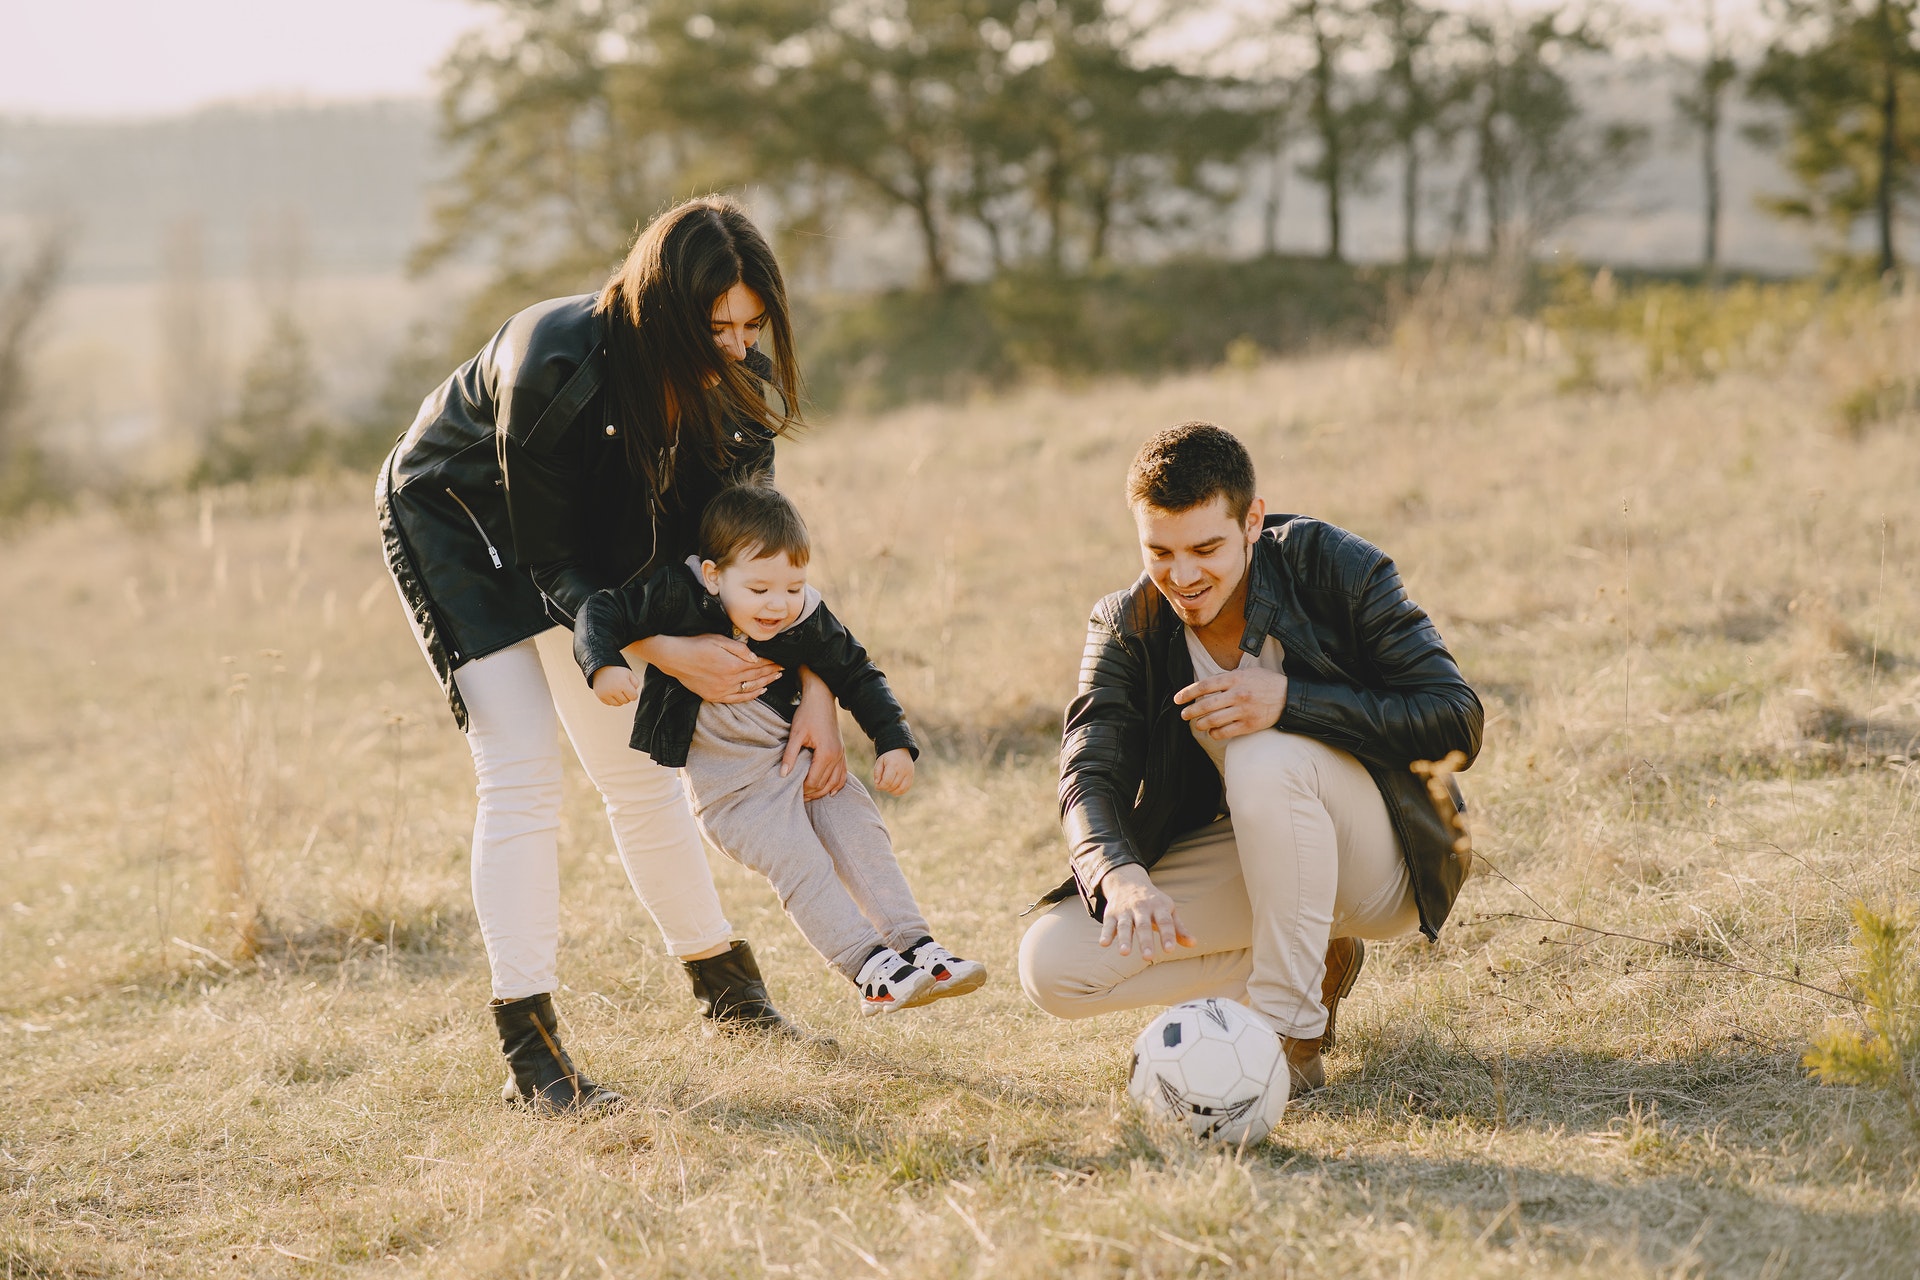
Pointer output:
x,y
763,596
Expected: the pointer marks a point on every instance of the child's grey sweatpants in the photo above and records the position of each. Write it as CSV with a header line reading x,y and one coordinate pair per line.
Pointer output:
x,y
830,859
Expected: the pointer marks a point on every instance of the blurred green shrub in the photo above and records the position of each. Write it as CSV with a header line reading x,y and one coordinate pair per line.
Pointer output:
x,y
1884,1051
1684,331
906,345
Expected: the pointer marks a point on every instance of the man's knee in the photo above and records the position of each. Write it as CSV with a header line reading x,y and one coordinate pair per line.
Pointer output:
x,y
1048,955
1271,764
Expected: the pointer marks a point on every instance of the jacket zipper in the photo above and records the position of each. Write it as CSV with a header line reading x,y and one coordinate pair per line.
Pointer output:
x,y
492,553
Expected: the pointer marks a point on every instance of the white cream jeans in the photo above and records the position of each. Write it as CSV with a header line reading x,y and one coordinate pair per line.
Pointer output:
x,y
518,700
1308,854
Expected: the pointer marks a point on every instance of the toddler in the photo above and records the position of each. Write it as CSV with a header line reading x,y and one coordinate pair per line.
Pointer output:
x,y
830,859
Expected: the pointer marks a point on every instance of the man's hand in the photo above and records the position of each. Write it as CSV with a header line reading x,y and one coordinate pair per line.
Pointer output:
x,y
715,668
1137,911
816,727
893,771
616,686
1235,703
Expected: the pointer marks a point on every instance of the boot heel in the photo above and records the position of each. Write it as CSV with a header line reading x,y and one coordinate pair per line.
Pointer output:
x,y
540,1075
733,998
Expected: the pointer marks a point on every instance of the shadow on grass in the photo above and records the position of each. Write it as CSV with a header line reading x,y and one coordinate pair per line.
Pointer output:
x,y
1552,1088
1670,1223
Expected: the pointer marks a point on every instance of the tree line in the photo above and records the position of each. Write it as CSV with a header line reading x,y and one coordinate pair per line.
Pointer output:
x,y
1067,134
1052,137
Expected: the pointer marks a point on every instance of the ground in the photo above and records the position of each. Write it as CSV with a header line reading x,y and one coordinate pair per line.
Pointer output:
x,y
246,1033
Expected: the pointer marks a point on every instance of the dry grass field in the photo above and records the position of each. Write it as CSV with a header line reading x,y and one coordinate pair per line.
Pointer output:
x,y
244,1029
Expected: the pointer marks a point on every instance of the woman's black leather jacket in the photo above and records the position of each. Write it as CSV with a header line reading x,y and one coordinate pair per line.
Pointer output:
x,y
1366,672
672,602
510,499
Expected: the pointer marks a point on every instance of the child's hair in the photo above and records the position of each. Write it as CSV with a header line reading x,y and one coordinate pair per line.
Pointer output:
x,y
748,521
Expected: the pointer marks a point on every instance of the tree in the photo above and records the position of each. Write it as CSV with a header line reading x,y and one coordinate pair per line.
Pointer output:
x,y
1702,108
1846,75
275,427
27,288
1538,161
1415,101
1344,124
190,384
1047,125
1122,142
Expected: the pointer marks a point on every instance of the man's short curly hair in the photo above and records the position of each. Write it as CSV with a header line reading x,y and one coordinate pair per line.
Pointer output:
x,y
1186,466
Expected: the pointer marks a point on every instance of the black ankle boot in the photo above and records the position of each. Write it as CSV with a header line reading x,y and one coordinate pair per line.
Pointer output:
x,y
540,1073
733,997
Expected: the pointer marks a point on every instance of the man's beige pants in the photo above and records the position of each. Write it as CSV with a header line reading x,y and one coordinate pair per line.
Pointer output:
x,y
1308,854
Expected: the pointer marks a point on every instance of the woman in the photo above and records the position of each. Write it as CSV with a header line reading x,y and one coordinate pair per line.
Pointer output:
x,y
574,452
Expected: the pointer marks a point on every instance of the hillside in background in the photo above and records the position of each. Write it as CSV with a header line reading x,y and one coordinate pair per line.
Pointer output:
x,y
356,176
359,177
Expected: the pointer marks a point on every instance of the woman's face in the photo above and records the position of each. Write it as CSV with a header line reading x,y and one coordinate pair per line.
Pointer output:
x,y
738,316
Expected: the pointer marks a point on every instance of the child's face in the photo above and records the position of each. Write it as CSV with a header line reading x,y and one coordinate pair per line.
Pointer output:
x,y
762,596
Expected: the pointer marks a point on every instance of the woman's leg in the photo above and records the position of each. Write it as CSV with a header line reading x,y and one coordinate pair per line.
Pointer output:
x,y
653,829
515,740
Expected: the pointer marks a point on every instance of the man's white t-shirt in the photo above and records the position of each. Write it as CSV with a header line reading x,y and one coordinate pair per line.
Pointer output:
x,y
1272,655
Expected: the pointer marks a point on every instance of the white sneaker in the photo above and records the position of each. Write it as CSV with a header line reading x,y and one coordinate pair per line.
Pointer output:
x,y
889,982
952,976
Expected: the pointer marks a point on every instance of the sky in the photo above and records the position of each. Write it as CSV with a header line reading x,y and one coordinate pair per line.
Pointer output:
x,y
133,58
130,58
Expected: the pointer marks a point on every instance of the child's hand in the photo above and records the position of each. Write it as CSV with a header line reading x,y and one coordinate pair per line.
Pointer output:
x,y
616,686
893,772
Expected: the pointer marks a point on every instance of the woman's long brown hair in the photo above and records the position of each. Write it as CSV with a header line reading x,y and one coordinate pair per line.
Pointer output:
x,y
669,384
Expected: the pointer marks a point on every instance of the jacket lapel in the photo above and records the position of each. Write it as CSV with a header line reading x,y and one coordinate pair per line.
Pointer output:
x,y
1273,606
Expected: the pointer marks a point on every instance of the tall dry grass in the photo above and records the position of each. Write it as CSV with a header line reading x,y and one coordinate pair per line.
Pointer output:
x,y
1691,609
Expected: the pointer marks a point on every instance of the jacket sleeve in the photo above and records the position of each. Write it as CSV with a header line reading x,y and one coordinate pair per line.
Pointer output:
x,y
613,618
838,658
1102,759
1424,708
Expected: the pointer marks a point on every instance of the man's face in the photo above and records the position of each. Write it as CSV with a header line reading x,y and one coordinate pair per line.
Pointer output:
x,y
1197,557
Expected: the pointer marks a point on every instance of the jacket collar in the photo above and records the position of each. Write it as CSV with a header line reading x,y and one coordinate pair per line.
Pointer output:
x,y
1273,604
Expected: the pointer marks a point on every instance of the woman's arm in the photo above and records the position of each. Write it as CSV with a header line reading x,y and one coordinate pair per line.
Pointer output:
x,y
714,668
816,725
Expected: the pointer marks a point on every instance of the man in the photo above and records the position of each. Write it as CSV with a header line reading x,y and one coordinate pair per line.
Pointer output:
x,y
1256,773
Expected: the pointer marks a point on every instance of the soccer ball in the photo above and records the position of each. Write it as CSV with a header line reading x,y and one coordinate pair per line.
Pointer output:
x,y
1215,1067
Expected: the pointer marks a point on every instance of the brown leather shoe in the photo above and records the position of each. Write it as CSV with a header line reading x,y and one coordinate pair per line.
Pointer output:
x,y
1344,958
1305,1071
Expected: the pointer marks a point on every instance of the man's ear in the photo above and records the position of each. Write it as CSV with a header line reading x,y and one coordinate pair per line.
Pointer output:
x,y
710,576
1256,512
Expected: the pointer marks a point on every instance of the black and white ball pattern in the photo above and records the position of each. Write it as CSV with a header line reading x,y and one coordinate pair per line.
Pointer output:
x,y
1213,1066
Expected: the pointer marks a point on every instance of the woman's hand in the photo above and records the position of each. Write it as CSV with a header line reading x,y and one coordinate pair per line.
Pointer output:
x,y
816,727
1138,911
1234,703
616,686
893,771
714,668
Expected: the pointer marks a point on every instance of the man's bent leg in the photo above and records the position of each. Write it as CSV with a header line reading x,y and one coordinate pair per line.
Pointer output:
x,y
1065,970
1316,846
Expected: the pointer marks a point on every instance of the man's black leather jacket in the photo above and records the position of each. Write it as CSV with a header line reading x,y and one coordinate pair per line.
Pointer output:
x,y
671,601
510,499
1366,672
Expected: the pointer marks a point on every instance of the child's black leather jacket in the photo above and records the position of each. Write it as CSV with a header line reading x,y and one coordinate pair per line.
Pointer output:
x,y
671,601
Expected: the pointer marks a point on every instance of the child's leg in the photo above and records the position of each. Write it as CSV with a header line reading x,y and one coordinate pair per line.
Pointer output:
x,y
854,834
760,821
